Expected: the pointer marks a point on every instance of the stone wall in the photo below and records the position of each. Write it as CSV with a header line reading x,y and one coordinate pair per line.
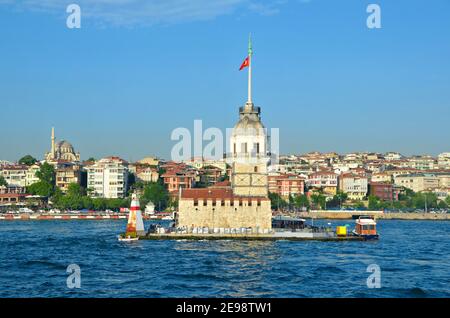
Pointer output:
x,y
232,214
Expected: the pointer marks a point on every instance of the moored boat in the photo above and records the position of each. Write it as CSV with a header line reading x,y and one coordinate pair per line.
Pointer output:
x,y
366,227
127,238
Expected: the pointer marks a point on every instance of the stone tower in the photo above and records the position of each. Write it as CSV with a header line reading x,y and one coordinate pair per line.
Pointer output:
x,y
248,147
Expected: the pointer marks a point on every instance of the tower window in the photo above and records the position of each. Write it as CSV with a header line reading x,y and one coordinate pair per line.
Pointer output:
x,y
257,147
256,169
234,148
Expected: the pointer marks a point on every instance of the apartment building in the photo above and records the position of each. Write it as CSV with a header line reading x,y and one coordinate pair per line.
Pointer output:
x,y
67,175
327,181
384,191
354,185
286,185
418,182
15,175
108,178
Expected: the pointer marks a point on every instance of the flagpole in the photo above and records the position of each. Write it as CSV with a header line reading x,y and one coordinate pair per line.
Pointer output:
x,y
250,53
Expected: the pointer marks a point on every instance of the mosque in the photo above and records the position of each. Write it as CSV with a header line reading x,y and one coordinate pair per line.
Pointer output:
x,y
61,151
244,202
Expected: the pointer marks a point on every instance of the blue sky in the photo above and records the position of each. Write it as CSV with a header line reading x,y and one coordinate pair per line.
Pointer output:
x,y
138,69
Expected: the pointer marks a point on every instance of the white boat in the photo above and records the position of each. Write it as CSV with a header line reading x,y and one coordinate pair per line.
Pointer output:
x,y
127,239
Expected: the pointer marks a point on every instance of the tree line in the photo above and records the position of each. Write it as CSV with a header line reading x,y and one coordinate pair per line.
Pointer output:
x,y
408,200
76,197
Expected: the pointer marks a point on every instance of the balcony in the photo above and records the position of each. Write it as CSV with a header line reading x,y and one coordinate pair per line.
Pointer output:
x,y
256,110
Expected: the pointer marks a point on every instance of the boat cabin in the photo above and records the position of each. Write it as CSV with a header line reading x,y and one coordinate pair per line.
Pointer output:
x,y
288,223
366,226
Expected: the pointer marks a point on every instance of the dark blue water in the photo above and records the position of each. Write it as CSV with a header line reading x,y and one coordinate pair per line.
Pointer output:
x,y
413,257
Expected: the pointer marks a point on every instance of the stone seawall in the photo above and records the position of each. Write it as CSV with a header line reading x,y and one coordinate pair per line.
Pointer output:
x,y
378,215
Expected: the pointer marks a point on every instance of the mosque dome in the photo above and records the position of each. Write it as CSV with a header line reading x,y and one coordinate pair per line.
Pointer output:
x,y
65,147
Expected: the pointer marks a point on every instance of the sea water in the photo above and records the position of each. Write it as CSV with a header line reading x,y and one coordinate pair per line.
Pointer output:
x,y
413,259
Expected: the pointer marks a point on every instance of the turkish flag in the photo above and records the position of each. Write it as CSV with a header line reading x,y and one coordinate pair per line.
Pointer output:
x,y
245,64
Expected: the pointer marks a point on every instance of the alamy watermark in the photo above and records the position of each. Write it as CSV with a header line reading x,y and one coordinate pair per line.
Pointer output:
x,y
374,19
247,144
374,279
74,19
74,279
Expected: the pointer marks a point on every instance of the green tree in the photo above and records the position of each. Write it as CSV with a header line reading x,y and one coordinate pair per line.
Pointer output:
x,y
87,203
155,193
46,185
41,188
318,200
27,160
276,201
91,159
46,173
75,190
374,202
3,181
341,197
301,201
447,200
359,205
99,204
442,205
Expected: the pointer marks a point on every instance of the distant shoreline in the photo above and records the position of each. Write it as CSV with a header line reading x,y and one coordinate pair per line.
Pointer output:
x,y
333,215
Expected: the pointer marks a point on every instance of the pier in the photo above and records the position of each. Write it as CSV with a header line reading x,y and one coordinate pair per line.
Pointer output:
x,y
246,237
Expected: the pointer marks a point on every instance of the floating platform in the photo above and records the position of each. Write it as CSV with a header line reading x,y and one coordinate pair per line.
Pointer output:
x,y
248,237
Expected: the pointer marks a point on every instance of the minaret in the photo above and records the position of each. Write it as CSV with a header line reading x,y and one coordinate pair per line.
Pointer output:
x,y
53,143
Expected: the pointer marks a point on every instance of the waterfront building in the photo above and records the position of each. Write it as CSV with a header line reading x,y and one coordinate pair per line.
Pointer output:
x,y
286,185
354,185
147,174
199,163
150,161
381,177
15,175
12,195
326,181
179,178
4,163
70,173
392,156
31,174
384,191
108,178
418,182
444,160
244,204
210,175
62,150
444,179
422,162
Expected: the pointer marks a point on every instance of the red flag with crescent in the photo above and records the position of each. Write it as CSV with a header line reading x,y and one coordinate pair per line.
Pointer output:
x,y
245,64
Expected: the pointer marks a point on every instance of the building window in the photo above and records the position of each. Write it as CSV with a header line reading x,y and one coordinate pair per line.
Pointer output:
x,y
256,169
